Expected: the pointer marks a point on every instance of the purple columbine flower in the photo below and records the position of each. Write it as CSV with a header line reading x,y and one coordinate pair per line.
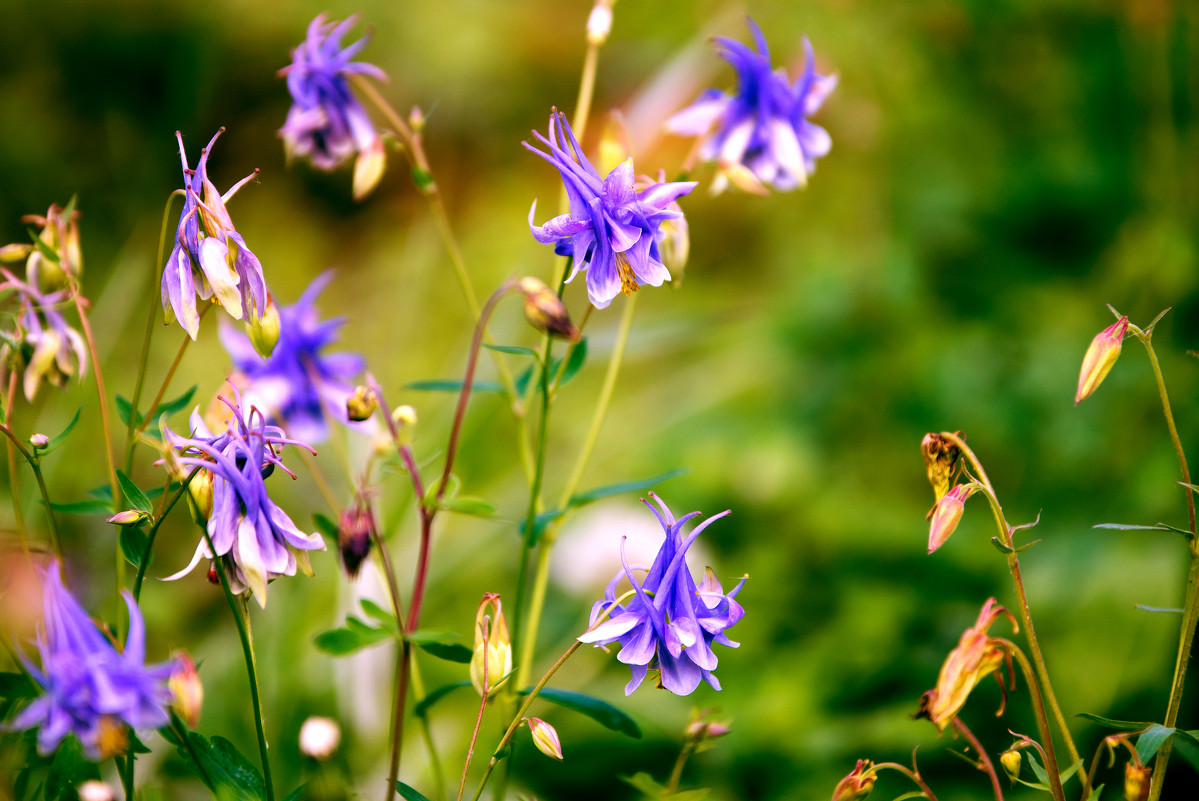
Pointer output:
x,y
52,350
612,230
90,689
206,241
326,124
760,135
257,540
670,623
299,385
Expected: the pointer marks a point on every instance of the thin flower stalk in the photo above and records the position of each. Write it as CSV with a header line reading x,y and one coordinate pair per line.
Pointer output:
x,y
484,692
1190,615
17,447
153,532
1013,560
986,766
14,483
1038,706
911,773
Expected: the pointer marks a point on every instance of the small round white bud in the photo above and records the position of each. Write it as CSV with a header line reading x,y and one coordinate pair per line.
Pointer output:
x,y
599,24
319,738
95,791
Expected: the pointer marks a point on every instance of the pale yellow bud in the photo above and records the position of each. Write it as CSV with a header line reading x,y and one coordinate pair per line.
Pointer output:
x,y
1010,760
545,737
495,648
369,168
264,331
1100,356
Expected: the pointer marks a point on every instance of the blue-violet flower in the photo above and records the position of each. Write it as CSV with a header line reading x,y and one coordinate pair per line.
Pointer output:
x,y
298,384
90,689
326,124
760,135
51,350
670,623
206,240
612,230
256,539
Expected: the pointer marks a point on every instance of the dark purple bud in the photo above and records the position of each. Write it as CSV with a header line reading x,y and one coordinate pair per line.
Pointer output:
x,y
354,536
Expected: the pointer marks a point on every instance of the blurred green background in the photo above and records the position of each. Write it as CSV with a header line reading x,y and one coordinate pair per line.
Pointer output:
x,y
1000,171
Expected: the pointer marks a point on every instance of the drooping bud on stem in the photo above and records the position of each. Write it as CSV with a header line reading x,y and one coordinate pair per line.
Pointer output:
x,y
947,514
1010,759
39,441
355,533
545,737
496,643
129,517
1100,356
187,693
858,783
264,332
544,310
1136,782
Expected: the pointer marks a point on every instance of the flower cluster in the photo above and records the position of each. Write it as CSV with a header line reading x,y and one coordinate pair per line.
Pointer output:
x,y
256,538
326,124
91,689
298,384
207,242
761,135
612,230
670,623
49,349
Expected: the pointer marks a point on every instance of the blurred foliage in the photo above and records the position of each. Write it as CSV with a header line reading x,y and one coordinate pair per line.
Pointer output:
x,y
1000,171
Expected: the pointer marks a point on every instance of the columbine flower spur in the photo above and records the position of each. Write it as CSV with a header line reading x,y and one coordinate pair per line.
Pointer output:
x,y
90,689
255,537
298,384
326,124
761,134
205,240
612,230
670,623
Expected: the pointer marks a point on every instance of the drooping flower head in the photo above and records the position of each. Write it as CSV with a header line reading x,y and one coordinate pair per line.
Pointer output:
x,y
55,255
90,689
206,242
298,385
761,134
977,655
48,348
326,124
670,623
612,230
256,539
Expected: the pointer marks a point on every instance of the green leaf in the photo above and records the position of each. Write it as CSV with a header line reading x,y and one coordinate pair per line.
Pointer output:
x,y
298,794
1001,546
326,526
432,636
1151,740
646,784
1095,793
1187,746
697,794
601,712
1070,771
422,707
450,652
339,642
168,408
16,685
133,545
451,490
47,253
68,769
424,182
226,767
90,507
125,410
1041,773
454,386
61,436
590,496
133,494
1120,725
476,507
539,523
404,790
574,361
514,350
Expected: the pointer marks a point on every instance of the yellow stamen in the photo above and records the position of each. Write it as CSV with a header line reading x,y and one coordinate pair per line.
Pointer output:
x,y
628,281
112,737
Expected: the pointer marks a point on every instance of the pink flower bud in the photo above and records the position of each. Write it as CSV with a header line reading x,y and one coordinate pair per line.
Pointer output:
x,y
857,784
187,693
545,737
947,514
129,517
1101,355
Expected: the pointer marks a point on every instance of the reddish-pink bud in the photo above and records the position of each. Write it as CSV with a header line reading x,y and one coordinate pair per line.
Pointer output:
x,y
947,514
1100,356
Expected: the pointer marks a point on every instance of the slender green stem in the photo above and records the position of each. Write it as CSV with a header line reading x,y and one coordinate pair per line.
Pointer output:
x,y
989,768
914,775
127,775
586,91
41,484
1038,706
541,576
155,271
242,619
1190,615
1013,560
14,482
166,380
184,736
144,562
676,773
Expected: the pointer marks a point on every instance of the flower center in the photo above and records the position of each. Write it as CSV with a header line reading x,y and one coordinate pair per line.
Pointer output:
x,y
628,281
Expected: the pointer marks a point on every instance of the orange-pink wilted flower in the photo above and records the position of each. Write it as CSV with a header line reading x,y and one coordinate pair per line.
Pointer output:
x,y
977,655
1100,356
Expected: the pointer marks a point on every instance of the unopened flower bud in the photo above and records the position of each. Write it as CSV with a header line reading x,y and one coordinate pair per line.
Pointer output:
x,y
496,646
940,459
545,737
599,22
699,729
1136,782
15,252
93,790
369,167
187,693
1010,760
857,784
947,514
199,495
544,310
319,738
264,332
361,404
1100,356
129,517
355,533
404,417
416,119
39,441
